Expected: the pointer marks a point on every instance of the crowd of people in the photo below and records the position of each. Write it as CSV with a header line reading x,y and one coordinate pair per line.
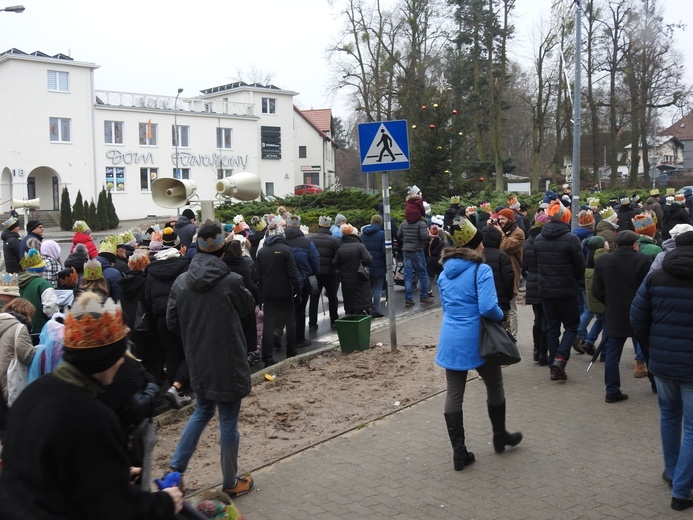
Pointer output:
x,y
175,290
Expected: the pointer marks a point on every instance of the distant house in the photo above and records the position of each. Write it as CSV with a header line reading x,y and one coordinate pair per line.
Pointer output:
x,y
314,159
668,154
682,132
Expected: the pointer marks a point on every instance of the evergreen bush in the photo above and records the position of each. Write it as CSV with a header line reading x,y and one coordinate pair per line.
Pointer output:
x,y
66,221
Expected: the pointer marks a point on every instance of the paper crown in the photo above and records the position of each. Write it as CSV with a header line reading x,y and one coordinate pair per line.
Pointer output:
x,y
324,221
654,193
585,218
540,219
635,198
108,245
669,200
485,207
127,238
68,278
257,223
469,210
294,221
238,219
462,232
513,203
593,202
80,227
32,260
93,270
413,190
91,323
644,225
10,223
138,261
608,214
455,199
671,191
680,198
9,284
623,199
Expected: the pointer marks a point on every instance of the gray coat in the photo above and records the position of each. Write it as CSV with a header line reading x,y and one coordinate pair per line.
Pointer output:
x,y
204,308
413,237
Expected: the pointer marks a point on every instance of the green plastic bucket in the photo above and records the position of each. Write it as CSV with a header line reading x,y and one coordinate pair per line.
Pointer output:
x,y
354,332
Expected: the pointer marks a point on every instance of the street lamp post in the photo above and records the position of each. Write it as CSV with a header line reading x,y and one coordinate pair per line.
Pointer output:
x,y
13,9
175,128
577,122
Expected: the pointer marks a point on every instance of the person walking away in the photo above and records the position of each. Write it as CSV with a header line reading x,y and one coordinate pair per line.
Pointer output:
x,y
352,253
373,238
596,246
83,236
561,267
646,228
503,274
532,296
327,246
36,289
666,332
617,277
206,303
607,226
435,247
414,238
467,290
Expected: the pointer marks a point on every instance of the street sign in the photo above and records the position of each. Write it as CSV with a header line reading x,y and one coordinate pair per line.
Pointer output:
x,y
384,146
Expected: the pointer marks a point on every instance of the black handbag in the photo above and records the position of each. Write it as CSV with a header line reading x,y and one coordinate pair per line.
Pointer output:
x,y
144,319
364,273
497,346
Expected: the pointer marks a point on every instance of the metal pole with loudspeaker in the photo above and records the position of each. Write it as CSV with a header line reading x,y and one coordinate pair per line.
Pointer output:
x,y
26,205
172,193
242,186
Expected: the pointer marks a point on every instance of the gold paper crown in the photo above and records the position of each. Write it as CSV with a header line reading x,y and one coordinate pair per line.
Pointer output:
x,y
32,259
462,232
127,238
93,270
593,202
654,192
455,199
680,197
485,206
470,209
9,284
109,245
608,214
80,227
91,323
671,191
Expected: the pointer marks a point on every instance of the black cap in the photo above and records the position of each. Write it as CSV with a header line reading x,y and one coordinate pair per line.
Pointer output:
x,y
32,224
626,238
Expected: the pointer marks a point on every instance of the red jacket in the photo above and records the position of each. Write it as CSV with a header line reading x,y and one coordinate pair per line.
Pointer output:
x,y
83,238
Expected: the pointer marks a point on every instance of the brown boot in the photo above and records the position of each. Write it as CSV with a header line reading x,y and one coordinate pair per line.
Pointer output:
x,y
640,369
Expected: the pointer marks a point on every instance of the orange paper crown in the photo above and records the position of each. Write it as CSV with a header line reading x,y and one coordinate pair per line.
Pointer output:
x,y
94,324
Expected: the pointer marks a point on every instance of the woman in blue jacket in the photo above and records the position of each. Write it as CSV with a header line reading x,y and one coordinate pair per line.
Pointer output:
x,y
467,291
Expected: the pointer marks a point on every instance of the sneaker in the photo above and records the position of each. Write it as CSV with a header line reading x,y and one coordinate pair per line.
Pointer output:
x,y
588,348
303,343
577,346
640,369
313,327
176,398
408,303
543,361
430,294
615,398
253,357
243,485
680,504
426,301
558,369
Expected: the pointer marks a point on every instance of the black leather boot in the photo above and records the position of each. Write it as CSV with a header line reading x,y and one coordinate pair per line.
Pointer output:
x,y
543,349
501,438
536,337
461,457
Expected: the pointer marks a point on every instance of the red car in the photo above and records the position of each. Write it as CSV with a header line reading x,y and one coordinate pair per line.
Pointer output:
x,y
307,189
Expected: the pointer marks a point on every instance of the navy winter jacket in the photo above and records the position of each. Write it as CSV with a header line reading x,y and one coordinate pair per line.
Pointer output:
x,y
373,238
305,253
560,259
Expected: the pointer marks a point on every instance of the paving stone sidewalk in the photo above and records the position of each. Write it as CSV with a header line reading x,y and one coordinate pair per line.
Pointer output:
x,y
580,457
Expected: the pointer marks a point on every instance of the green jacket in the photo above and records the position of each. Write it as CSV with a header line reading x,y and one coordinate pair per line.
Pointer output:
x,y
648,247
607,232
40,292
593,304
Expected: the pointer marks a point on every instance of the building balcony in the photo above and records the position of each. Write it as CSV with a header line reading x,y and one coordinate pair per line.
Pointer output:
x,y
151,102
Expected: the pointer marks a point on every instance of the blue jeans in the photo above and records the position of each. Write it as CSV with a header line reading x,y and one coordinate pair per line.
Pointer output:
x,y
585,316
612,375
676,409
229,437
376,292
596,328
557,311
639,356
415,261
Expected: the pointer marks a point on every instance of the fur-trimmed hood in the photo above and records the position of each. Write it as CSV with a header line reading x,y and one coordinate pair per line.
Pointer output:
x,y
462,253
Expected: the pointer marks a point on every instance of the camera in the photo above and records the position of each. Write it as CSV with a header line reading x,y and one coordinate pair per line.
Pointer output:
x,y
493,221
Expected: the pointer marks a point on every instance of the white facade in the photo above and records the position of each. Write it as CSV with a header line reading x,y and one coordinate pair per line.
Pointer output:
x,y
314,153
57,131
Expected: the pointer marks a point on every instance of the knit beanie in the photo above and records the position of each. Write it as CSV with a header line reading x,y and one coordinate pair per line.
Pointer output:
x,y
680,228
339,219
507,213
594,243
170,238
210,238
32,224
189,214
644,225
377,219
540,219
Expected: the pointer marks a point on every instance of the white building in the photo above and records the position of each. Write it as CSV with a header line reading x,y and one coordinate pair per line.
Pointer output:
x,y
57,130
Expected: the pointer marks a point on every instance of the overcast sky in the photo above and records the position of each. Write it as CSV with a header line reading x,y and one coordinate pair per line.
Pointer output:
x,y
156,46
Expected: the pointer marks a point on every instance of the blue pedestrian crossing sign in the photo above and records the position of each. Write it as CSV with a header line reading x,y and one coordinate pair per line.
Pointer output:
x,y
384,146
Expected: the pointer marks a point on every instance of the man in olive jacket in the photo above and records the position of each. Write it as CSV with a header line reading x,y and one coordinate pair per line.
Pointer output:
x,y
205,308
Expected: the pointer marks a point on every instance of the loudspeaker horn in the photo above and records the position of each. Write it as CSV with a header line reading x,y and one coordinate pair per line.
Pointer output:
x,y
172,193
241,186
28,204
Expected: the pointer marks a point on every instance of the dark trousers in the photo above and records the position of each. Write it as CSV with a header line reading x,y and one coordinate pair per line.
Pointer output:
x,y
176,366
330,283
300,313
278,314
561,311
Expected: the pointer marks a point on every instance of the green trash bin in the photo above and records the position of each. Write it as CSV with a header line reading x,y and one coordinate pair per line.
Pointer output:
x,y
354,332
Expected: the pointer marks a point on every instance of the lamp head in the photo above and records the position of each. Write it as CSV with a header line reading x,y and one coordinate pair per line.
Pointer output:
x,y
180,90
14,9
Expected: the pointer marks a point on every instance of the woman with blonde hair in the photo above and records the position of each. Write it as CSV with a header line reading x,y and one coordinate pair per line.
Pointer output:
x,y
93,280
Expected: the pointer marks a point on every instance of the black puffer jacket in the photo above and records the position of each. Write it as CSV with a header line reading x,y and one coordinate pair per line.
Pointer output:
x,y
10,248
660,315
238,265
529,264
160,276
277,270
327,246
675,214
503,274
625,217
131,292
357,292
560,259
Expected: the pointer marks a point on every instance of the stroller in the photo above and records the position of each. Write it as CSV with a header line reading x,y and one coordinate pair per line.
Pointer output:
x,y
398,267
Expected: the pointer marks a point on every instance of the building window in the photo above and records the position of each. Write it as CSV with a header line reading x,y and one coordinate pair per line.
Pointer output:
x,y
222,173
60,129
224,138
147,176
182,135
181,173
148,133
115,179
302,152
269,105
58,81
269,188
113,132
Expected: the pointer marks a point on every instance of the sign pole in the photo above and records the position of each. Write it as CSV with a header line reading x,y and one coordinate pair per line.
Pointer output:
x,y
388,261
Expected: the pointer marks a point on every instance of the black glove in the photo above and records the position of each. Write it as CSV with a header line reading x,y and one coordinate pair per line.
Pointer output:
x,y
297,299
